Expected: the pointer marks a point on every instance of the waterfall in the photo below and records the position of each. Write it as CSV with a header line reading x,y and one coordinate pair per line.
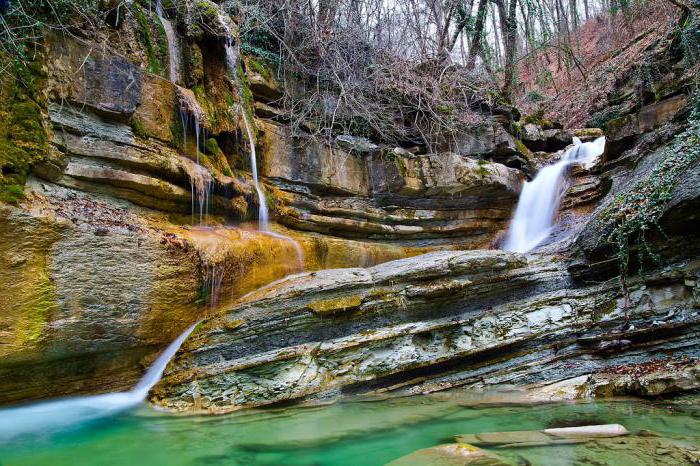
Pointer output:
x,y
45,417
200,183
264,221
540,198
173,45
263,213
191,114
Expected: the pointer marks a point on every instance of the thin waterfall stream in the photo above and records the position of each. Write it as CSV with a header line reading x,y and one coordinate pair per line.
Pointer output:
x,y
263,212
173,44
43,417
264,216
540,198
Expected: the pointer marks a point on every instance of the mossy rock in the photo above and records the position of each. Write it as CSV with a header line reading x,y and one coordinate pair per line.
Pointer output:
x,y
194,64
138,127
537,118
336,305
154,40
23,135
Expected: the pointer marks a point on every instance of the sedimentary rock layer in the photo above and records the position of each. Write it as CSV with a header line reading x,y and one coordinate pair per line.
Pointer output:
x,y
426,323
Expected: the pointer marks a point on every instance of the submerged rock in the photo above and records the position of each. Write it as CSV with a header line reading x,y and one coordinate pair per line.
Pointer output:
x,y
456,454
529,438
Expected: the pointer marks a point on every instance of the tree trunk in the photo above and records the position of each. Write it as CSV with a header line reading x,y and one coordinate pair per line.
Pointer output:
x,y
475,46
497,44
510,50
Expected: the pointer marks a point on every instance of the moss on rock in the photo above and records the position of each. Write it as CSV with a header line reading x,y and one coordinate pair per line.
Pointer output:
x,y
332,306
23,136
156,47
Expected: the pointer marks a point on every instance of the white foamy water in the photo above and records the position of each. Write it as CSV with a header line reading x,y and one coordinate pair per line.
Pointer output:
x,y
50,416
540,198
173,45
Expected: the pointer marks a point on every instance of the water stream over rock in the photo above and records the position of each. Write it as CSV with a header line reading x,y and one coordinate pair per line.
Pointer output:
x,y
173,45
263,212
192,115
264,216
540,198
60,414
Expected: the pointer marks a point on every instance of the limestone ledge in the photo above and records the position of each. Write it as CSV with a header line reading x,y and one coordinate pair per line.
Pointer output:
x,y
429,323
386,194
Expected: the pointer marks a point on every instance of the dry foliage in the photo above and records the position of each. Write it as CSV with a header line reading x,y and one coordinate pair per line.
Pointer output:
x,y
608,50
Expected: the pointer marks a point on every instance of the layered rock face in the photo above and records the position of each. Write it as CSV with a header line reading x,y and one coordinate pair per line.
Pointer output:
x,y
389,194
100,100
103,262
132,228
82,304
352,187
472,318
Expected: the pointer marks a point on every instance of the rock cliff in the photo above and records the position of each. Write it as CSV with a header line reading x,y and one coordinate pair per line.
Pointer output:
x,y
128,211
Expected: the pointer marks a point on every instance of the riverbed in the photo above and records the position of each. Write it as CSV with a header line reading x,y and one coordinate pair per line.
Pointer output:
x,y
367,432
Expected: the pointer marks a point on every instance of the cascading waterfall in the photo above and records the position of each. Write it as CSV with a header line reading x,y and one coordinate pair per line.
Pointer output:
x,y
540,198
173,44
263,213
45,417
200,182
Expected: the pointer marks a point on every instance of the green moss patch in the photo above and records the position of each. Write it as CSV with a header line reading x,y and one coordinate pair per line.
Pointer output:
x,y
332,306
156,47
138,127
23,137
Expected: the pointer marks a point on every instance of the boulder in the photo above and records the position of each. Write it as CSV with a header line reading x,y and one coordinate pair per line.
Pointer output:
x,y
456,454
652,116
557,139
205,20
487,140
262,81
533,137
622,132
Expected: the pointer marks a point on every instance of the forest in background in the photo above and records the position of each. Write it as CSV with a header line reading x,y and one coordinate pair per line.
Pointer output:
x,y
411,71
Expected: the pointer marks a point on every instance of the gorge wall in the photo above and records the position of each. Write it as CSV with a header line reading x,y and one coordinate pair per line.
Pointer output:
x,y
130,215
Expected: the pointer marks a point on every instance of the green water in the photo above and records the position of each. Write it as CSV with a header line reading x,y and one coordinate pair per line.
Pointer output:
x,y
351,433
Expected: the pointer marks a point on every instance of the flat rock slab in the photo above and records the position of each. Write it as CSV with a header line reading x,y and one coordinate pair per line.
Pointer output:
x,y
451,454
543,437
501,438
